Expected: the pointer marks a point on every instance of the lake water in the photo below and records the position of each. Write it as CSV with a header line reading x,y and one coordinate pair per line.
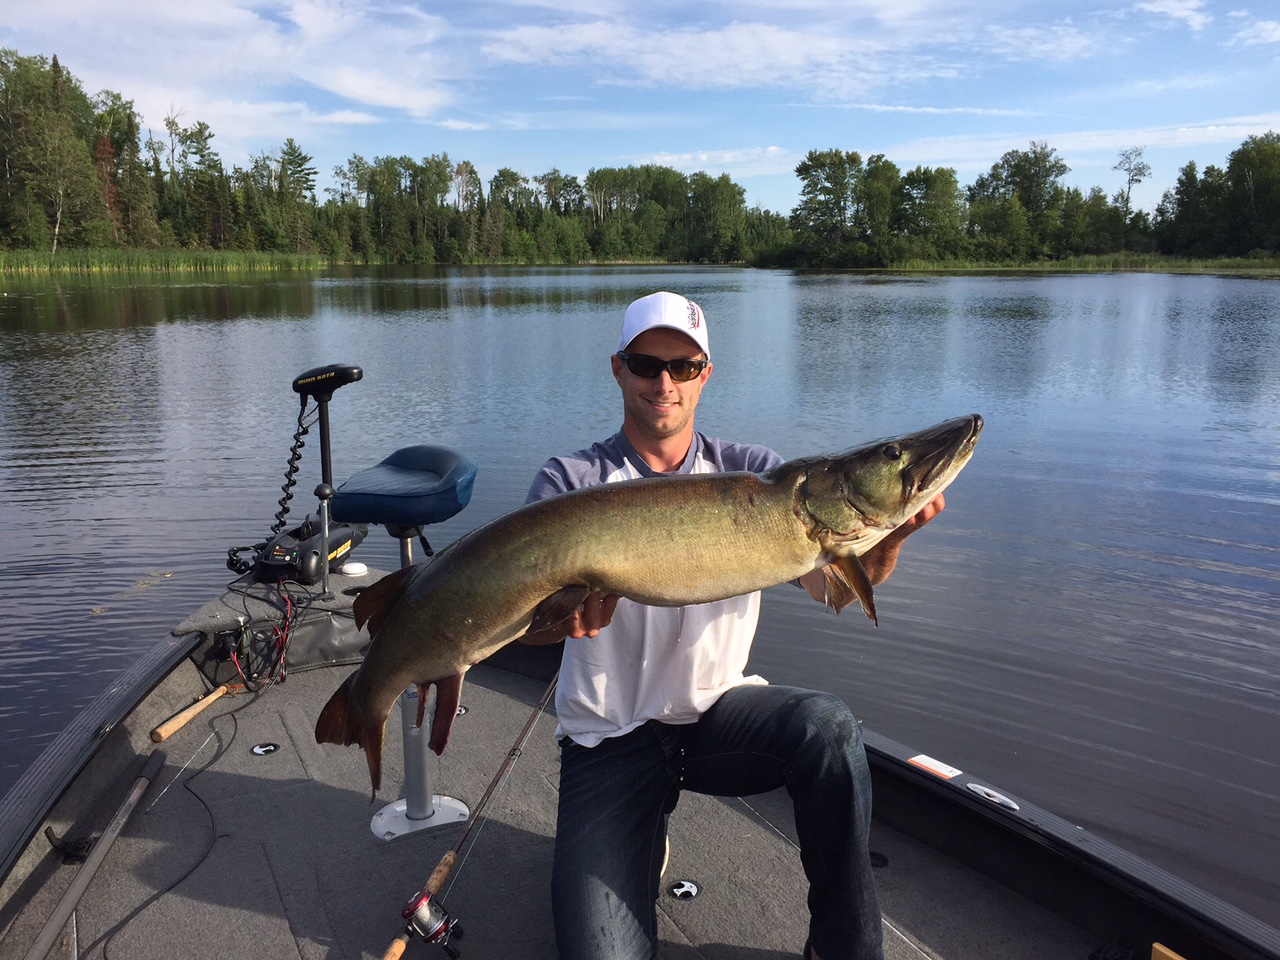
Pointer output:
x,y
1093,624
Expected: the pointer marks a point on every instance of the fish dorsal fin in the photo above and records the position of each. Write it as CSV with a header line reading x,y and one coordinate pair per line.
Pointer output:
x,y
847,579
559,607
377,599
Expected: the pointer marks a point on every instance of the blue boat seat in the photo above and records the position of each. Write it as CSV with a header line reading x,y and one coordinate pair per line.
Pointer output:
x,y
413,487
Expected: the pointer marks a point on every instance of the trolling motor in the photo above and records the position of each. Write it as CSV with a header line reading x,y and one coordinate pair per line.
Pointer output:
x,y
305,553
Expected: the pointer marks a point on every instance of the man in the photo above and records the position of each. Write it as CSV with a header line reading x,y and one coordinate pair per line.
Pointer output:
x,y
653,700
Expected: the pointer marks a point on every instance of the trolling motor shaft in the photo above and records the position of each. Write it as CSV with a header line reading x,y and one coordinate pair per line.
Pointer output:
x,y
320,382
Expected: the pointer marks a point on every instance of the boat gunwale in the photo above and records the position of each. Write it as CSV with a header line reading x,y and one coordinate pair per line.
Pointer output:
x,y
29,802
1109,870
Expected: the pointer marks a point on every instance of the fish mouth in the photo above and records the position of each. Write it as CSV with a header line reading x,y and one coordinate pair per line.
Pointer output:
x,y
942,450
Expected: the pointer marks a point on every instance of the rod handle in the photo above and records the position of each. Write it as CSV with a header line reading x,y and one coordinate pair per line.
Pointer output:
x,y
441,873
396,950
180,719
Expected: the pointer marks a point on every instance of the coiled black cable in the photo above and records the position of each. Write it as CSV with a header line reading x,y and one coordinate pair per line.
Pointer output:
x,y
235,562
291,472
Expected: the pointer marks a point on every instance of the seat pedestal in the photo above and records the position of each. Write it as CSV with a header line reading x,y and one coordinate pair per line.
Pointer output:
x,y
410,489
419,809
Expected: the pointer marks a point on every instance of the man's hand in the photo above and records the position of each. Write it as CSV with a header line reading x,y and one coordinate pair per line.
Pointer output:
x,y
880,560
594,614
587,621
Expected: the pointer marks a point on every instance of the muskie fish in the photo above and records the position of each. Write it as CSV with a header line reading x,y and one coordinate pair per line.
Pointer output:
x,y
667,541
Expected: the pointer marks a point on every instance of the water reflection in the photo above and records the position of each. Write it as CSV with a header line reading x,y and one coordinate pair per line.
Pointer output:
x,y
115,303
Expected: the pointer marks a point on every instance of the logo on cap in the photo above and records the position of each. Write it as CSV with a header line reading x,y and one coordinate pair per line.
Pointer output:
x,y
695,314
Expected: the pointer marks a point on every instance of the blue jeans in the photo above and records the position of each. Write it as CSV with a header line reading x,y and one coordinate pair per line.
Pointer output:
x,y
615,798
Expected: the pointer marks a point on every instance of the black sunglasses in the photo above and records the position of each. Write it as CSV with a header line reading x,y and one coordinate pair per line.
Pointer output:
x,y
681,370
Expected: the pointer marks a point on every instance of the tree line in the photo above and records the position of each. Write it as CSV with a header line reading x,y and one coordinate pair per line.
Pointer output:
x,y
869,213
77,171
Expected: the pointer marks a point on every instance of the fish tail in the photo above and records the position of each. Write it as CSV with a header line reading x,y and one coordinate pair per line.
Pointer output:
x,y
339,723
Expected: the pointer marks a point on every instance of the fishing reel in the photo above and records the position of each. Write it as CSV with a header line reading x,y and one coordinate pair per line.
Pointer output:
x,y
429,919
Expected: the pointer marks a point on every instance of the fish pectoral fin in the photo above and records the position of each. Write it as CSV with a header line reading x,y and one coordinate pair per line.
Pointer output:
x,y
847,580
557,608
448,696
375,600
837,592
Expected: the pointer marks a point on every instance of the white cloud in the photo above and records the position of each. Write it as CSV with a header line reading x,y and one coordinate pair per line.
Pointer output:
x,y
934,111
1180,82
461,125
366,54
1263,31
1056,43
742,162
344,117
242,127
594,121
833,60
738,55
978,152
380,87
1190,12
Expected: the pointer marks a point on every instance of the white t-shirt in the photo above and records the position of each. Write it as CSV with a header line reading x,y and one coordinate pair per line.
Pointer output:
x,y
651,663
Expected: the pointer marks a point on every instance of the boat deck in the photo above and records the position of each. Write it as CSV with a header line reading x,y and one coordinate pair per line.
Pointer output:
x,y
233,853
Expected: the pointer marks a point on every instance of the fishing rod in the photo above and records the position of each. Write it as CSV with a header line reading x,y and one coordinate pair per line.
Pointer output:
x,y
424,913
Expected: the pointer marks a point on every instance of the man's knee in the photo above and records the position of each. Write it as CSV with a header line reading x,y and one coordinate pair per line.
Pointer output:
x,y
825,716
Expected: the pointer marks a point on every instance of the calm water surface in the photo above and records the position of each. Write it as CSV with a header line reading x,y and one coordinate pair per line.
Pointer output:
x,y
1091,625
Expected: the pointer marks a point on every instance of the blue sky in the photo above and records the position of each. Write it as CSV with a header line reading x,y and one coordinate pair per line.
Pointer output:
x,y
745,88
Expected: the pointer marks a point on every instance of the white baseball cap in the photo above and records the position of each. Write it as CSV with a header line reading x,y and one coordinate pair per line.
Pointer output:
x,y
665,310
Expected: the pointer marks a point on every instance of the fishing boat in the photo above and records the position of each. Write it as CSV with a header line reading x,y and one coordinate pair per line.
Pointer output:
x,y
188,811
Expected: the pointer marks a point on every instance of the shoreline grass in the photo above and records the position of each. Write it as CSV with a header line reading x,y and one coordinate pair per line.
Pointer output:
x,y
93,261
17,263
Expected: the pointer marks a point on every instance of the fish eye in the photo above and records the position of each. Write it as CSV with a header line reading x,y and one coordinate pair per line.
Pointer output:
x,y
891,451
